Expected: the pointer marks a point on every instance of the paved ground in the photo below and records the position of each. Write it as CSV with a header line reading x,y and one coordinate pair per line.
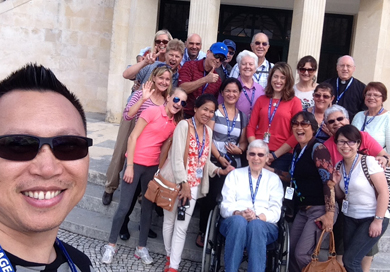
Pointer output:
x,y
124,259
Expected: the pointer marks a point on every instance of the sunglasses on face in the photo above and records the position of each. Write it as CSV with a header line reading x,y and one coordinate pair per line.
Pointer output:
x,y
339,119
262,43
177,100
161,41
304,70
303,124
349,143
260,155
231,53
325,96
26,147
220,57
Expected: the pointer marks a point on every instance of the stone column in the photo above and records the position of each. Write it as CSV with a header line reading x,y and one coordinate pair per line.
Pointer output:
x,y
204,17
306,30
133,28
371,47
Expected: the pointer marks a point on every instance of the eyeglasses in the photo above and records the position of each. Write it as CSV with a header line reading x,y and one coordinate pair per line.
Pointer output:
x,y
177,99
262,43
260,155
309,70
373,95
318,95
339,119
349,143
345,66
231,53
26,147
220,57
303,124
161,41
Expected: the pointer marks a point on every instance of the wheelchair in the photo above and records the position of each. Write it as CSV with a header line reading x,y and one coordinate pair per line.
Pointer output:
x,y
214,244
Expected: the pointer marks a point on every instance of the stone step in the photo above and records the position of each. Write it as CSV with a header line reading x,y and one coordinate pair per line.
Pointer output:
x,y
380,263
98,225
92,201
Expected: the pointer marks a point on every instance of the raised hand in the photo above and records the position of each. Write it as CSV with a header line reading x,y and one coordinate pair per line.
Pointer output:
x,y
146,90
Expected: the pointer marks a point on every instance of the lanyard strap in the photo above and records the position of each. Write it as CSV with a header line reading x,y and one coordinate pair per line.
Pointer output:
x,y
271,117
319,129
295,161
200,150
7,266
250,100
229,129
337,87
260,74
372,119
253,195
348,177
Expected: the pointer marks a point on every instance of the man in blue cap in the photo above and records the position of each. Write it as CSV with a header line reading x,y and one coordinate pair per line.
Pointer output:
x,y
199,77
226,68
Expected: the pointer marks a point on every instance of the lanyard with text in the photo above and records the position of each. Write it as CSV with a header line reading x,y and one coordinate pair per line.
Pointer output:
x,y
337,88
267,135
253,194
247,97
289,190
199,171
261,73
7,266
344,207
229,129
372,119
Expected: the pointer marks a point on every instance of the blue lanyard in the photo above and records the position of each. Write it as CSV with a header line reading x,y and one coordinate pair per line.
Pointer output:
x,y
372,119
225,71
200,150
346,88
319,129
253,195
295,161
247,96
261,73
347,178
229,129
271,117
10,268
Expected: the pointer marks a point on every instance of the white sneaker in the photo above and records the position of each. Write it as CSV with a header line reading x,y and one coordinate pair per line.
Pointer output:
x,y
143,254
108,254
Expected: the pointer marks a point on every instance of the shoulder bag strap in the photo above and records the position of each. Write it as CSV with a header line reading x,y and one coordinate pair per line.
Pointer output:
x,y
365,170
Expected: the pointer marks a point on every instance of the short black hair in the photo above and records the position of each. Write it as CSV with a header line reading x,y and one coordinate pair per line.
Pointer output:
x,y
228,81
350,132
307,116
33,77
204,98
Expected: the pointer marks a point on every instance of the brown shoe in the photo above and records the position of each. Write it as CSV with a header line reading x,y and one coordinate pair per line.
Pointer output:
x,y
200,240
107,198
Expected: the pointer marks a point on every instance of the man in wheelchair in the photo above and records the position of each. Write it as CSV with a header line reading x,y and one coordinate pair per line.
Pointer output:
x,y
251,207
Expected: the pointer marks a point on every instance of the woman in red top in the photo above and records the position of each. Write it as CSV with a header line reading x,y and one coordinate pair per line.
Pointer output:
x,y
271,116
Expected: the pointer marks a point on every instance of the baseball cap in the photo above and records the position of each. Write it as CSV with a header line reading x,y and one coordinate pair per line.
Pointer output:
x,y
230,43
219,48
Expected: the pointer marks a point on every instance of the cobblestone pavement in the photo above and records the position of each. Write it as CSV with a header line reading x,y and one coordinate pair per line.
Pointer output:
x,y
124,260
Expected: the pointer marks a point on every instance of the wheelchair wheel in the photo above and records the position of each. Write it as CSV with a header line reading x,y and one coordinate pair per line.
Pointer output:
x,y
210,260
284,253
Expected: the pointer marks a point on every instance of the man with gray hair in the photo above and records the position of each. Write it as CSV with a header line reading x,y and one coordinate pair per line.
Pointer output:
x,y
259,46
348,90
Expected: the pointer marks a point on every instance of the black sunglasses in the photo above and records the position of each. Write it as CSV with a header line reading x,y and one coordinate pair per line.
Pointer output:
x,y
177,99
231,53
303,124
220,57
325,96
339,119
303,70
260,155
161,41
262,43
26,147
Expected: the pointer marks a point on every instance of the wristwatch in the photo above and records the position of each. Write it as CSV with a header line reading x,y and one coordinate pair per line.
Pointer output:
x,y
274,155
378,217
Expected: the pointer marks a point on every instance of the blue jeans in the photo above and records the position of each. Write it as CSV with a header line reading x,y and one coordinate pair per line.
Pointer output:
x,y
357,242
254,236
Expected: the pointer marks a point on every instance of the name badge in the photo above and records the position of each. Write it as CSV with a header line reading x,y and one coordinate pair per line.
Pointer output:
x,y
289,193
344,207
199,173
266,138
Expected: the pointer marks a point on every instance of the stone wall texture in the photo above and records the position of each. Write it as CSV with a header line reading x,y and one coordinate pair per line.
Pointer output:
x,y
71,37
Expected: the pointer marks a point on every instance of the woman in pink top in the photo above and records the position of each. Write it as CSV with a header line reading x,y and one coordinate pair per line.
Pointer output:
x,y
272,114
154,127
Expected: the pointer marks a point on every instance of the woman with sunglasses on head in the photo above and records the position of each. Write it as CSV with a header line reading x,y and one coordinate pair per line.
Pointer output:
x,y
323,97
363,188
193,175
229,143
271,116
153,128
375,120
306,67
311,189
251,90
